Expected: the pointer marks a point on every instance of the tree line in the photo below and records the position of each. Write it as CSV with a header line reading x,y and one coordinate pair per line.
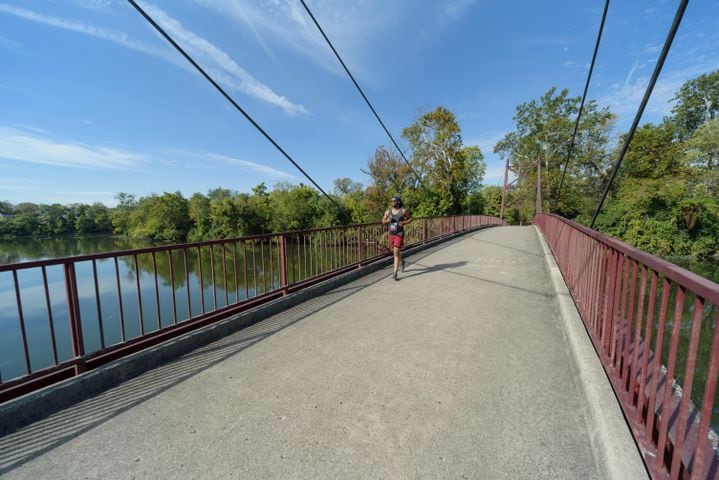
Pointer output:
x,y
664,199
442,177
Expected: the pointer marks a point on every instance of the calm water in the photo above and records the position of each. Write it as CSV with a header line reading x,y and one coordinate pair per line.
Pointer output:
x,y
192,293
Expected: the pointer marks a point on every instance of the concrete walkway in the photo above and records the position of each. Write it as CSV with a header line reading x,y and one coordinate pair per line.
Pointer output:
x,y
462,369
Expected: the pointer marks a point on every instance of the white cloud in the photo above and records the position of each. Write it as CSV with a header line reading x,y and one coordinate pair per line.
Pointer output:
x,y
651,48
116,37
286,23
220,62
23,146
623,98
256,167
220,65
356,28
631,72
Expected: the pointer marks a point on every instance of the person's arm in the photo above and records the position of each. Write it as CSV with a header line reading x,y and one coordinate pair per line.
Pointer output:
x,y
407,218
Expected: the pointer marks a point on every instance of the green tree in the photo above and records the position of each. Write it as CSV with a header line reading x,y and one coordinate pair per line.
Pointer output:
x,y
293,207
164,218
390,176
697,102
57,219
450,171
199,213
121,215
543,134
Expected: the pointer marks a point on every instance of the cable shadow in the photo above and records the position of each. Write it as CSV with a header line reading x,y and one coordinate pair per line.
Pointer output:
x,y
507,247
424,269
448,266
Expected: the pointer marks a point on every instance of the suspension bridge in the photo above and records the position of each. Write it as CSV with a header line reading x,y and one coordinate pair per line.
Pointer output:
x,y
548,351
302,358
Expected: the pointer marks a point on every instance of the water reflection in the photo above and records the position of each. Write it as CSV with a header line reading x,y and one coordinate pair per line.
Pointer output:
x,y
131,295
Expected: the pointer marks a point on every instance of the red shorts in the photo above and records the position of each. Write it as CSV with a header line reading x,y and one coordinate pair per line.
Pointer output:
x,y
396,241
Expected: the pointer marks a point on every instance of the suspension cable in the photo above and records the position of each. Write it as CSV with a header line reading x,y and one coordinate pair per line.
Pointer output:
x,y
361,92
228,97
657,69
581,106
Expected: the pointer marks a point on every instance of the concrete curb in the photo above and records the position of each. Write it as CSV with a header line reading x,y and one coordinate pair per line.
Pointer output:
x,y
616,453
35,406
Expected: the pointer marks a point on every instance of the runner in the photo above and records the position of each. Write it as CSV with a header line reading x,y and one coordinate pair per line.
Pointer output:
x,y
396,218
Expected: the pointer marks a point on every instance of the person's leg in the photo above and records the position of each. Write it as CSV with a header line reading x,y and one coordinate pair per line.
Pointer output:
x,y
396,260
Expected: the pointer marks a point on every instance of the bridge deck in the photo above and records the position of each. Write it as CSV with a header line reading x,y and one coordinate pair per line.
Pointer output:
x,y
459,370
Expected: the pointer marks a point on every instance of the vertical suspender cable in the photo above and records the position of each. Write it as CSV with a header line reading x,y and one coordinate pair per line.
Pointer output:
x,y
227,96
581,106
657,69
360,91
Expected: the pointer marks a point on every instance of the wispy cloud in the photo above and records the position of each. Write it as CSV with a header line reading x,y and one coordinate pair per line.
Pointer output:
x,y
631,72
23,146
575,65
99,5
93,194
624,98
11,186
217,62
487,143
114,36
453,10
285,23
8,44
357,28
256,167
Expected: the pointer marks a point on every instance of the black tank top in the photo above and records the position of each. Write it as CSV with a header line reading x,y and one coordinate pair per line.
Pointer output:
x,y
394,218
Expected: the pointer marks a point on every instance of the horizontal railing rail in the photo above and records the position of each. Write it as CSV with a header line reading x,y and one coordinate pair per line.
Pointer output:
x,y
654,326
61,317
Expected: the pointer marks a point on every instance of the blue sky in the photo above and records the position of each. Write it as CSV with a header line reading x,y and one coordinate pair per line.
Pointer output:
x,y
93,102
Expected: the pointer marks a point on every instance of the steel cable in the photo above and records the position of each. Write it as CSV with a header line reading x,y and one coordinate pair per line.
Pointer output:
x,y
361,92
228,97
581,106
655,75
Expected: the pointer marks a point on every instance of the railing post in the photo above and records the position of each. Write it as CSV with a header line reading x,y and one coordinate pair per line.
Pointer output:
x,y
283,264
424,230
360,252
73,310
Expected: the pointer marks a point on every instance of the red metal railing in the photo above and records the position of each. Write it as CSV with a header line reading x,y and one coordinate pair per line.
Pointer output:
x,y
654,326
61,317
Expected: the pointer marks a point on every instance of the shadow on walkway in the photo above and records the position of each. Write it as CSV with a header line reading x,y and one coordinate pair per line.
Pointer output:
x,y
413,271
534,254
29,442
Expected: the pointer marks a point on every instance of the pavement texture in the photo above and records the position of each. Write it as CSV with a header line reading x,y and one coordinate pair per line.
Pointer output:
x,y
462,369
